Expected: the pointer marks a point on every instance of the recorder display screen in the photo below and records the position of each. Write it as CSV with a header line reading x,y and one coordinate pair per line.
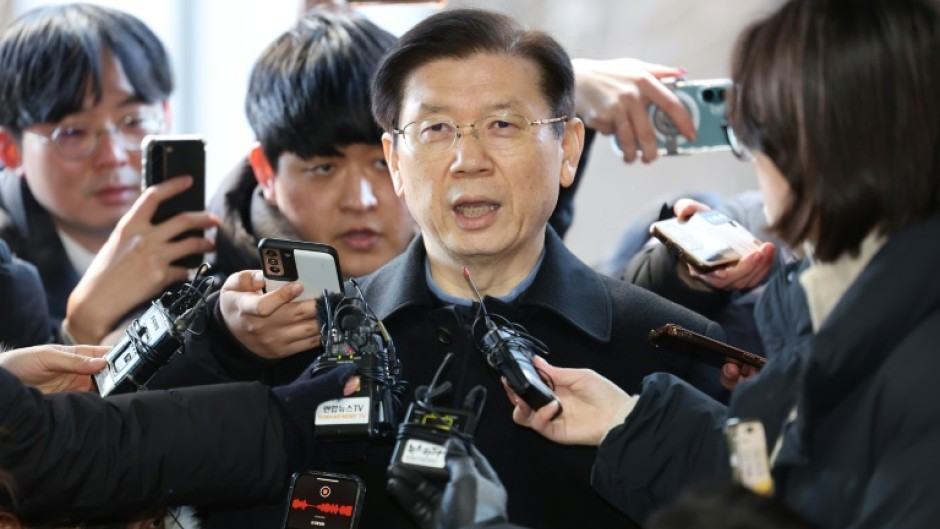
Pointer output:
x,y
319,501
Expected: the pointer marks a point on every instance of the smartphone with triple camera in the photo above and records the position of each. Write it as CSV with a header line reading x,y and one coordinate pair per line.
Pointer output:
x,y
705,101
676,338
315,265
708,240
325,500
169,155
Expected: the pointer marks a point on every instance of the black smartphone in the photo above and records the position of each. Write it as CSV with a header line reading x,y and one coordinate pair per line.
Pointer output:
x,y
708,240
676,338
166,156
321,499
314,264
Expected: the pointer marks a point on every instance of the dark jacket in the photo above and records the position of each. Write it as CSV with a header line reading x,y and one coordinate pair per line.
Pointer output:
x,y
586,320
246,218
31,235
79,455
861,451
25,319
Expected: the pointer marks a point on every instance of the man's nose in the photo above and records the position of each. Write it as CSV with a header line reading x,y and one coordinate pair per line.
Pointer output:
x,y
359,194
111,148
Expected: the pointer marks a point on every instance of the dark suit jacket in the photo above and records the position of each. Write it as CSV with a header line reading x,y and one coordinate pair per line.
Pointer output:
x,y
587,320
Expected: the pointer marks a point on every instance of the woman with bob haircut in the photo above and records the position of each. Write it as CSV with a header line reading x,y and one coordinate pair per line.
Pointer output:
x,y
837,103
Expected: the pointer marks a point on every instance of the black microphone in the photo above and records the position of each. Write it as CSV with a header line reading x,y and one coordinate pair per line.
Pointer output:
x,y
351,334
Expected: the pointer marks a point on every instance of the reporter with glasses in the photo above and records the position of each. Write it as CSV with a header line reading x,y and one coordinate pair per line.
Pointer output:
x,y
80,87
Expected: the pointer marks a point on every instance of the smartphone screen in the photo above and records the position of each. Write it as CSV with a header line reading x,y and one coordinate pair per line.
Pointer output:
x,y
319,499
167,156
313,264
707,240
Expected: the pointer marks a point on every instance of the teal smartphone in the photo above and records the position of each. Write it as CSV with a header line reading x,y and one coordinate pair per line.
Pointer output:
x,y
705,101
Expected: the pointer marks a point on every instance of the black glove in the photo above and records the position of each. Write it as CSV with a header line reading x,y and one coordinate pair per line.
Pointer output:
x,y
473,495
298,403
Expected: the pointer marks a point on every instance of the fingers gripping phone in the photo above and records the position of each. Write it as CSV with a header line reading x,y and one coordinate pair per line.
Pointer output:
x,y
704,100
167,156
708,240
315,265
320,499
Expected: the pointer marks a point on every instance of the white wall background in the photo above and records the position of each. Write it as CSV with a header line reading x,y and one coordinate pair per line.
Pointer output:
x,y
213,44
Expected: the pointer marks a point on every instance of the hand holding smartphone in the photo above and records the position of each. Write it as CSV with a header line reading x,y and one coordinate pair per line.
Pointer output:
x,y
708,240
704,100
315,265
167,156
320,499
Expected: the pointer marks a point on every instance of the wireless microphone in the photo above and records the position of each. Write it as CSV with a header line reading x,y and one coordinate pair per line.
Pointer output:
x,y
509,351
424,435
353,335
150,340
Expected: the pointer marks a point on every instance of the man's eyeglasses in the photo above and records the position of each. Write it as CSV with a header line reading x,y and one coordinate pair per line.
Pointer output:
x,y
434,136
77,141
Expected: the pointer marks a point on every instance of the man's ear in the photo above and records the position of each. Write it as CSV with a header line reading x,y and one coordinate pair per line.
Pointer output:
x,y
9,150
572,144
264,173
391,159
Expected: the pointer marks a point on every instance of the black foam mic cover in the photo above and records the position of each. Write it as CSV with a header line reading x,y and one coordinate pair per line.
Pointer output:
x,y
334,299
350,322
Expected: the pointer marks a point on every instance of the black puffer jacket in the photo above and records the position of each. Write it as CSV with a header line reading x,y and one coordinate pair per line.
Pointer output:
x,y
79,455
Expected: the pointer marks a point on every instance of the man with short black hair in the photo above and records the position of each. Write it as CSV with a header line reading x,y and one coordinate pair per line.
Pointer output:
x,y
480,136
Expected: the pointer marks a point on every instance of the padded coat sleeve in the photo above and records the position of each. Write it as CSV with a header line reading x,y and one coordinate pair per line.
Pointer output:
x,y
88,457
673,438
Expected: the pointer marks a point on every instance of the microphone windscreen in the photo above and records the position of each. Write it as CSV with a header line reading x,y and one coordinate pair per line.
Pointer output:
x,y
334,299
350,321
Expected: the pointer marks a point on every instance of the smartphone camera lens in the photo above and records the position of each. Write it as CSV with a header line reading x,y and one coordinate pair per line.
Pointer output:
x,y
270,253
713,96
272,261
275,270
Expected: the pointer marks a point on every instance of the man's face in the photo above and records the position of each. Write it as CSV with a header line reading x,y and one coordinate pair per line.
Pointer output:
x,y
89,195
472,202
345,201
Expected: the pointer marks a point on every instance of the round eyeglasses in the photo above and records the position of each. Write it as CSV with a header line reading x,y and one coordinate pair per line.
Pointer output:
x,y
77,141
434,136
